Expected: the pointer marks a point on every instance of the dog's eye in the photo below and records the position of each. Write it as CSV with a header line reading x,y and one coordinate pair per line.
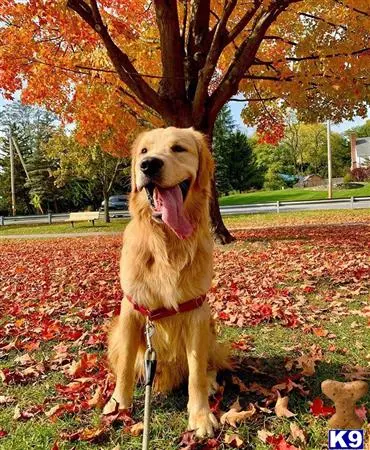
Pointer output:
x,y
144,150
178,149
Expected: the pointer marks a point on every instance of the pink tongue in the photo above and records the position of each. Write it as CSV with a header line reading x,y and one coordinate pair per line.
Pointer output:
x,y
170,203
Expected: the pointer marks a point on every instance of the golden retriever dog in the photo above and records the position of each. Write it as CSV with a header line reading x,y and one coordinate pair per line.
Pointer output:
x,y
167,260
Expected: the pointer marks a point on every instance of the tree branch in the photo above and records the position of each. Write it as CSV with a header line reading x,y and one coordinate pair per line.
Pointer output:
x,y
198,42
172,52
352,8
248,16
311,57
320,19
217,45
120,60
110,185
245,56
330,55
279,38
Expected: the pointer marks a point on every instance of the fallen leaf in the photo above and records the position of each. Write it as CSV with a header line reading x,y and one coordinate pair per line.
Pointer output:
x,y
297,433
210,444
279,443
85,434
361,412
307,364
319,409
356,373
97,400
320,332
188,441
17,413
6,399
55,411
235,416
3,433
234,440
263,435
281,407
136,429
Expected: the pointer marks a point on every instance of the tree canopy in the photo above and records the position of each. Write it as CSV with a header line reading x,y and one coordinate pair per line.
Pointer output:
x,y
113,65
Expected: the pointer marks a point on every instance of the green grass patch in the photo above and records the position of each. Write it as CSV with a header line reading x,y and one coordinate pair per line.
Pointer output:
x,y
116,225
292,194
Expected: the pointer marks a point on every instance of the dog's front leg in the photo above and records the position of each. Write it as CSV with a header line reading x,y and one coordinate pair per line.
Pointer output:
x,y
123,345
201,418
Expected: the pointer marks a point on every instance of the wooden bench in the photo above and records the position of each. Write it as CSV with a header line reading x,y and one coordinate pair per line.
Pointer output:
x,y
91,216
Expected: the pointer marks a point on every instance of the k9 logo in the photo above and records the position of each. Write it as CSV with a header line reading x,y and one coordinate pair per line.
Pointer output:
x,y
346,439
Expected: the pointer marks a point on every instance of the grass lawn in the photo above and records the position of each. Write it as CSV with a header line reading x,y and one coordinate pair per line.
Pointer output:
x,y
282,295
241,221
292,194
80,227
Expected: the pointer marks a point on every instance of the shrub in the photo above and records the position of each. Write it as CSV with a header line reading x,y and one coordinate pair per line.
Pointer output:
x,y
360,174
347,178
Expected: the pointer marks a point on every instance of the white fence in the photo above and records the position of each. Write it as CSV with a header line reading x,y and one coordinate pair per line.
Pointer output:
x,y
339,203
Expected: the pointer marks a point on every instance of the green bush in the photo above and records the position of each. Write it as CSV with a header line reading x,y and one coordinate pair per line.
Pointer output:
x,y
347,178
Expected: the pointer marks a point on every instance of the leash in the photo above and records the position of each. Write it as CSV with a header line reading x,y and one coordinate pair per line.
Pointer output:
x,y
150,365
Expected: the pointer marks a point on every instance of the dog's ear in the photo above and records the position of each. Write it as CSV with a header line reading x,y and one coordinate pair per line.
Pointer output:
x,y
134,152
206,164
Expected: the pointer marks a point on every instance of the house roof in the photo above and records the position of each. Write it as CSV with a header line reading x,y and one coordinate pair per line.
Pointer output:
x,y
363,147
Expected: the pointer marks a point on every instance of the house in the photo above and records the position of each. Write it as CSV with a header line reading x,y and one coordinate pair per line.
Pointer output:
x,y
310,181
360,151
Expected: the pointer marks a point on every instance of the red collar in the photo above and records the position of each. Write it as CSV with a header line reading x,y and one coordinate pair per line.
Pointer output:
x,y
160,313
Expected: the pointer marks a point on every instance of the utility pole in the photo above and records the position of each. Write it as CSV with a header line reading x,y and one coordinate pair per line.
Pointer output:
x,y
330,179
12,180
21,158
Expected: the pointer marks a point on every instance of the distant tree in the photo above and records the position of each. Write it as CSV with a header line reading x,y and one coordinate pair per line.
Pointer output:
x,y
242,169
224,127
235,164
30,127
362,130
273,179
91,164
303,150
43,192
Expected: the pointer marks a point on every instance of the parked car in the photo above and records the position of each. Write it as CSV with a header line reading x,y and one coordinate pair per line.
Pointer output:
x,y
116,203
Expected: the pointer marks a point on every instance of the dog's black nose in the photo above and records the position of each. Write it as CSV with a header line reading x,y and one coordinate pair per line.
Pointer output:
x,y
151,166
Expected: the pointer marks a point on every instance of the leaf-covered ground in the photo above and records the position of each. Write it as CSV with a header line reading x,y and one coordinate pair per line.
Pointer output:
x,y
293,301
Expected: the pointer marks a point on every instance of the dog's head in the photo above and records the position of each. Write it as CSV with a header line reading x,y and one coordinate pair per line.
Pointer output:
x,y
171,172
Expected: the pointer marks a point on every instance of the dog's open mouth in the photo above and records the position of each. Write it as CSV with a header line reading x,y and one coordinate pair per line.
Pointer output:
x,y
168,206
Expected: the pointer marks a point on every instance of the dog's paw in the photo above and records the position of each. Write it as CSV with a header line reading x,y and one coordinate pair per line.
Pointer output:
x,y
203,422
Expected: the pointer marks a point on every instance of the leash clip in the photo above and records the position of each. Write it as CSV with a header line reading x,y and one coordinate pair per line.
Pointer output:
x,y
149,331
150,358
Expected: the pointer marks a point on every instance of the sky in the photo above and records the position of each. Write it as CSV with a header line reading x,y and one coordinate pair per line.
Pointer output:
x,y
236,108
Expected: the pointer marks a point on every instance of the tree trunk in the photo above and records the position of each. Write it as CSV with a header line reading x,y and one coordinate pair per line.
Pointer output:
x,y
220,232
106,207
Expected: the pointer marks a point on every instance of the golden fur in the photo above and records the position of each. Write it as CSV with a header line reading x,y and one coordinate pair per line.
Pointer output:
x,y
160,270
